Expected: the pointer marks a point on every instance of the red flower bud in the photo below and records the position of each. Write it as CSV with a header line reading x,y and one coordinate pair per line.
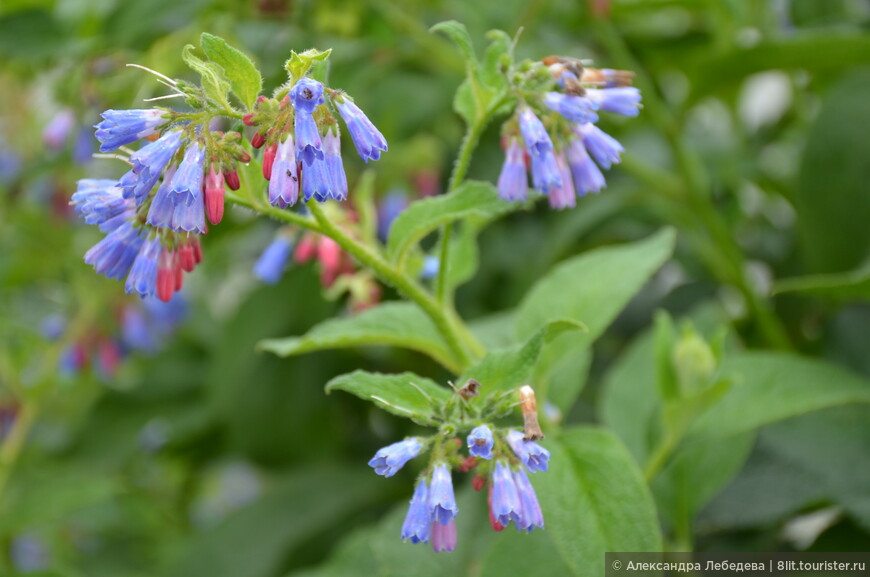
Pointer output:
x,y
269,159
165,276
306,249
231,177
258,140
197,250
185,257
214,195
248,119
478,482
244,157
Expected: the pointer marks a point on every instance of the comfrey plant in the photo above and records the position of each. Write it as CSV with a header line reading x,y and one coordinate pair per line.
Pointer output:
x,y
185,170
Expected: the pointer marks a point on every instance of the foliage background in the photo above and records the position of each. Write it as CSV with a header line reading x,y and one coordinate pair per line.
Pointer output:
x,y
210,458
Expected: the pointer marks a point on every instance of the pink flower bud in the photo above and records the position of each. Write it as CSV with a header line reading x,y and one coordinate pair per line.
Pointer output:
x,y
214,195
231,177
258,140
269,160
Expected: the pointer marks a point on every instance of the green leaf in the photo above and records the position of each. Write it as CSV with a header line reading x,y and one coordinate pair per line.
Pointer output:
x,y
594,287
299,64
472,199
505,369
457,32
594,499
770,387
496,330
243,75
496,60
463,103
214,82
398,324
396,394
831,197
839,287
463,259
275,526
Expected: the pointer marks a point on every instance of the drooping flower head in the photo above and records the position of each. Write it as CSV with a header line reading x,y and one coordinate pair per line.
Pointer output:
x,y
390,459
442,503
270,265
367,139
417,522
121,127
513,181
530,511
480,442
533,456
505,501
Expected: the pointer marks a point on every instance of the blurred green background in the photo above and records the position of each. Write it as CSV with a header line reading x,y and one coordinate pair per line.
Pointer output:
x,y
208,458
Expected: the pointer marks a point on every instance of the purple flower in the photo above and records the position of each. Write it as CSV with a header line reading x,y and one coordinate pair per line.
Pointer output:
x,y
136,332
52,327
392,204
307,94
270,265
442,503
121,127
538,142
143,276
100,202
513,181
480,442
505,502
624,100
417,521
83,147
390,459
533,456
113,256
577,109
563,196
334,165
186,185
149,163
531,515
190,217
58,129
545,173
368,140
316,182
601,146
444,537
284,182
587,175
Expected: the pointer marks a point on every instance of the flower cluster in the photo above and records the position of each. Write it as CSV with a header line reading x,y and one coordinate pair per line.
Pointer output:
x,y
303,145
501,456
153,215
565,150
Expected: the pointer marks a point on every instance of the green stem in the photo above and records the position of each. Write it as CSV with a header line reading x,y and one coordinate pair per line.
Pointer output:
x,y
659,457
14,442
697,191
458,337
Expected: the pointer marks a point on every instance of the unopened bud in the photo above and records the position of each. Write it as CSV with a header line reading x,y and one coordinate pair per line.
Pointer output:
x,y
258,140
248,119
478,482
244,157
185,258
269,160
529,406
231,177
214,195
469,389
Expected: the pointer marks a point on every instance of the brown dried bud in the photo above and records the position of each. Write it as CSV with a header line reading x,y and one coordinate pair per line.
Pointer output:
x,y
529,406
469,389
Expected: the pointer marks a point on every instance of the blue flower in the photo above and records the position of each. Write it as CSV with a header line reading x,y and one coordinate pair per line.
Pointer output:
x,y
604,148
587,175
577,109
186,185
334,165
537,140
531,515
100,202
390,459
545,172
480,442
270,265
563,196
533,456
121,127
309,146
513,183
307,94
430,268
114,255
442,503
316,182
444,536
624,100
284,182
417,521
135,330
391,205
505,502
149,163
143,276
162,207
368,140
